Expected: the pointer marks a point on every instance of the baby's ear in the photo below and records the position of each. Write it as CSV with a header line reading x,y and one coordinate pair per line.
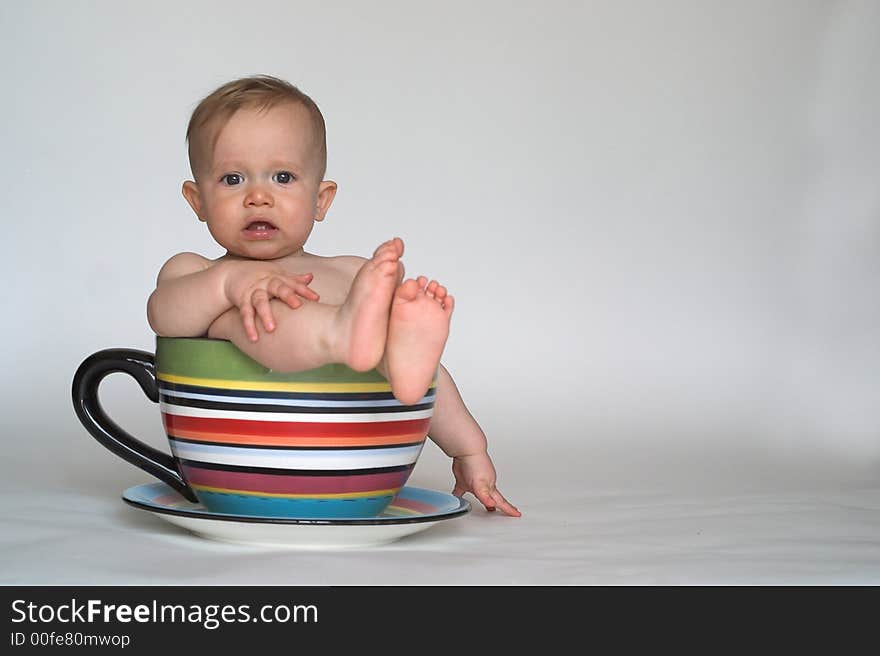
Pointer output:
x,y
193,197
326,194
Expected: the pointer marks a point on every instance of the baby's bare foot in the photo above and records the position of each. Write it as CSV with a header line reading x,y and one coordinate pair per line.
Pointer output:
x,y
417,332
362,321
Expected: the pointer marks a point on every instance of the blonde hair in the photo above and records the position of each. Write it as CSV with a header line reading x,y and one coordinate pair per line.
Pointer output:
x,y
259,91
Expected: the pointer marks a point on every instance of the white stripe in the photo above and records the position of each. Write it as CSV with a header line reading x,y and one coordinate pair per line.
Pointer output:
x,y
314,403
306,417
298,459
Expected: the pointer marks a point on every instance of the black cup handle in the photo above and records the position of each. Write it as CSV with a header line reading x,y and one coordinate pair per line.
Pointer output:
x,y
141,366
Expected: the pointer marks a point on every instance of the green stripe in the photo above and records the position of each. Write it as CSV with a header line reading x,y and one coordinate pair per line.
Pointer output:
x,y
198,357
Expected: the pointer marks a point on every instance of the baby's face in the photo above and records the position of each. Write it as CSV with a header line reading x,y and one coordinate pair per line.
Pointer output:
x,y
260,190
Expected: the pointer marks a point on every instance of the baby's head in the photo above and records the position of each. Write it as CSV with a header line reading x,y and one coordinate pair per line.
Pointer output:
x,y
259,92
258,153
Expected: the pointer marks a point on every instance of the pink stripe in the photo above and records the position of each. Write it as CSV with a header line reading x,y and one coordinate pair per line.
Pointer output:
x,y
418,506
280,484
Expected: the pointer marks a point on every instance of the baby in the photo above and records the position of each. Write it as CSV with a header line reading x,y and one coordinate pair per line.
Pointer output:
x,y
257,150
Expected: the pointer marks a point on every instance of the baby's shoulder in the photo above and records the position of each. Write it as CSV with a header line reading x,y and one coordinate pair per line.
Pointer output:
x,y
348,261
183,264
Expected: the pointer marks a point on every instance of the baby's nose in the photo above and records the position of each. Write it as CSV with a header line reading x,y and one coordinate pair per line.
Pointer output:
x,y
257,195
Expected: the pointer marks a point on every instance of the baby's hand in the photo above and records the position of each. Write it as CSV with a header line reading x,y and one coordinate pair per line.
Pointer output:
x,y
251,285
476,474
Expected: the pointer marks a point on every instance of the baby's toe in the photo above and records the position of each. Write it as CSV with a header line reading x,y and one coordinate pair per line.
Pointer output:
x,y
388,249
407,291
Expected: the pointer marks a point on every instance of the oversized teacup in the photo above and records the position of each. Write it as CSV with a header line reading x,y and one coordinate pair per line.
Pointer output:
x,y
325,443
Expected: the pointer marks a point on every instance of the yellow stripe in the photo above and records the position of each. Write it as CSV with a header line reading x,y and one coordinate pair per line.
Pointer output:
x,y
350,495
268,386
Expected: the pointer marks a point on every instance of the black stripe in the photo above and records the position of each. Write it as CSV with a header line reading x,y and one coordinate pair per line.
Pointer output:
x,y
260,407
317,396
294,472
297,448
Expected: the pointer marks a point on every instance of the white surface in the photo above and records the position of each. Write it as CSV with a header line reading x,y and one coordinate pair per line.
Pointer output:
x,y
660,222
675,519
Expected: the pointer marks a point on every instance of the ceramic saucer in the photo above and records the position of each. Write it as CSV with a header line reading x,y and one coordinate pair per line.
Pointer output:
x,y
414,509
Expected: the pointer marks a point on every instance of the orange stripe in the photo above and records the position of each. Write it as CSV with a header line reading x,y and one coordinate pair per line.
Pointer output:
x,y
268,440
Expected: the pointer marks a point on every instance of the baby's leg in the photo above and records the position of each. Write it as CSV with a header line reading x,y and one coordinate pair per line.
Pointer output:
x,y
299,341
417,332
361,325
316,334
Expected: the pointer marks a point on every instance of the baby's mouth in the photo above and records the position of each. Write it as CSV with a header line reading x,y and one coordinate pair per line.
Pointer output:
x,y
260,226
259,230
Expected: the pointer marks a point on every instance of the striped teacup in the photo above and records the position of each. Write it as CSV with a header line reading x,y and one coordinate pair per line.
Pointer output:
x,y
325,443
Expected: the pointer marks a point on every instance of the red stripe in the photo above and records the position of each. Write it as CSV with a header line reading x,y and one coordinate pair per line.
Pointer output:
x,y
294,428
280,484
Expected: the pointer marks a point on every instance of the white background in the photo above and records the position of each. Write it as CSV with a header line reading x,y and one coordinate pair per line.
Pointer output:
x,y
660,222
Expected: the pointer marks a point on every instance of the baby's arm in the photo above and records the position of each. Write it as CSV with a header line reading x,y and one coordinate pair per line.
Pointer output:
x,y
192,291
190,294
458,434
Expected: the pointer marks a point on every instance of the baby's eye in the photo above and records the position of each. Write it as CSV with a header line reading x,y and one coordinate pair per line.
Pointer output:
x,y
283,177
231,179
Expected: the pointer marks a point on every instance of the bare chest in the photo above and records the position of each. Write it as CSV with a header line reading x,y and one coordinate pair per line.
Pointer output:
x,y
332,279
